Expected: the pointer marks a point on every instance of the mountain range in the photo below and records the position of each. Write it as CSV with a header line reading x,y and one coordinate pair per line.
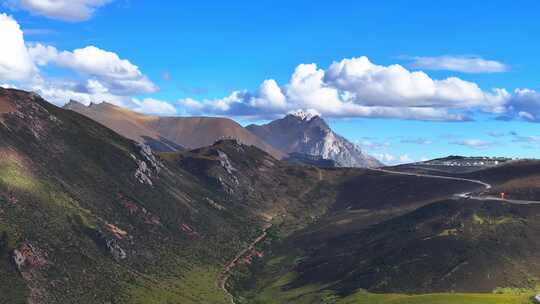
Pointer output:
x,y
166,134
299,132
90,216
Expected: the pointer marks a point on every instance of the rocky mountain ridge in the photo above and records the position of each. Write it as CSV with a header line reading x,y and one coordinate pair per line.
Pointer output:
x,y
307,133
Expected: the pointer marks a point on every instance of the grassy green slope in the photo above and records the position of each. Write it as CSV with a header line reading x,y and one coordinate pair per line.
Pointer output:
x,y
63,180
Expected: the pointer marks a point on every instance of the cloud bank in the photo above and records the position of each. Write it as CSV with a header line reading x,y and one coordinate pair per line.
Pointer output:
x,y
353,87
356,87
119,75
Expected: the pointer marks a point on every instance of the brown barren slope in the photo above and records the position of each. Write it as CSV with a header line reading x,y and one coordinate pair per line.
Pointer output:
x,y
169,133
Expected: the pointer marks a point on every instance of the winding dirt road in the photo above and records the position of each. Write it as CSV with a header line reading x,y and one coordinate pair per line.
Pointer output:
x,y
467,195
479,182
226,273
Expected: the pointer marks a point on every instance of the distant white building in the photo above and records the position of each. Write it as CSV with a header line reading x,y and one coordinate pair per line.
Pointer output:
x,y
468,162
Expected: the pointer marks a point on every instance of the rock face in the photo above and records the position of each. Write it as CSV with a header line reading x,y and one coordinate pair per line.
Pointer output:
x,y
116,251
18,258
148,167
239,172
307,133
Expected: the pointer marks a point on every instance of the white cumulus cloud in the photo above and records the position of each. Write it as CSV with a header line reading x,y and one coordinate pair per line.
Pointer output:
x,y
119,75
394,85
15,61
42,54
153,106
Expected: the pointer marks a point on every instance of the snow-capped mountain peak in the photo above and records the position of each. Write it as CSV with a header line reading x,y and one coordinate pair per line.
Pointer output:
x,y
306,115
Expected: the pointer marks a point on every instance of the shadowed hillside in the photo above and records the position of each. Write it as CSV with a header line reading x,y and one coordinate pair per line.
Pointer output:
x,y
395,234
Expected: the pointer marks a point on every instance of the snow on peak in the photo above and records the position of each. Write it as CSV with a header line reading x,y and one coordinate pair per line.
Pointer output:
x,y
306,115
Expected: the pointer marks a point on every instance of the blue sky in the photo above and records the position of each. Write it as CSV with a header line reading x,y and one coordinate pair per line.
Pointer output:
x,y
193,56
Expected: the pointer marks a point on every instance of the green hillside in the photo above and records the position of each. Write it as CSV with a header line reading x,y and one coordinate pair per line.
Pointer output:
x,y
98,218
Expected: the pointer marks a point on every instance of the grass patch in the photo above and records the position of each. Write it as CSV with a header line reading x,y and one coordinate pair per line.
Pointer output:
x,y
438,298
493,221
448,232
196,286
278,292
15,177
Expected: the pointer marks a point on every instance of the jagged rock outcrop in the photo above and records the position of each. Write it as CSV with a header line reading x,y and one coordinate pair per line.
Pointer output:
x,y
149,157
230,182
143,173
148,166
225,162
18,258
116,251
